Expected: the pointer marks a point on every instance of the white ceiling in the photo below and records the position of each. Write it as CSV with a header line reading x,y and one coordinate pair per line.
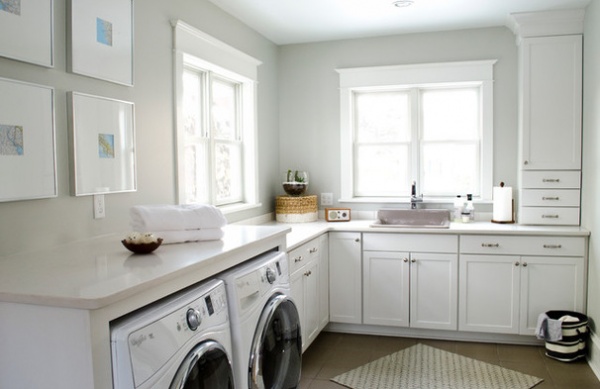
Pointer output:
x,y
301,21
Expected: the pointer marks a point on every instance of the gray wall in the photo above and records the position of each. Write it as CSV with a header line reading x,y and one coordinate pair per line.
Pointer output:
x,y
309,96
590,210
26,225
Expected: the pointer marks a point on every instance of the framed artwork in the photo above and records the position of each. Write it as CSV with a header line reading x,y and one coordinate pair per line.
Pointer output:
x,y
27,31
27,141
101,39
103,145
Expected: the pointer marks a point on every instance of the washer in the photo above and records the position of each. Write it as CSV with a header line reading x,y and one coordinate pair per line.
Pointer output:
x,y
181,341
265,325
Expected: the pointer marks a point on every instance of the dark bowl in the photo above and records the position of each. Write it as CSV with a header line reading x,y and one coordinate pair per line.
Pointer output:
x,y
142,248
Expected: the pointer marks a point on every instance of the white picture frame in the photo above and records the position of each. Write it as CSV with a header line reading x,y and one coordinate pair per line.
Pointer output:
x,y
27,31
101,39
103,145
27,141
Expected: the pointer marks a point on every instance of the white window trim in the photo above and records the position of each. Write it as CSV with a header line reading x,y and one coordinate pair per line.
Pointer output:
x,y
415,75
205,51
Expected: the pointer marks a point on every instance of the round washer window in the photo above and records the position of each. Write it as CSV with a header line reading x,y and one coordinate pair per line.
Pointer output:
x,y
205,367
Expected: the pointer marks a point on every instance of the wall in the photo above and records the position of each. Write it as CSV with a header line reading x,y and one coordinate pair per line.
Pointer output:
x,y
309,97
590,214
33,224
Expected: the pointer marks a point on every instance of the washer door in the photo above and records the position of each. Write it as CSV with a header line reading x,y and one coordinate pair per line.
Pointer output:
x,y
206,366
276,354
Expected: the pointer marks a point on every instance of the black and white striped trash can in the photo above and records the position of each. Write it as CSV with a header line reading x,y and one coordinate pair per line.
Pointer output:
x,y
572,346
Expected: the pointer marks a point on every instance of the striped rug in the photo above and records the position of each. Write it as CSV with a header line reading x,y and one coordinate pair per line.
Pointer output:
x,y
425,367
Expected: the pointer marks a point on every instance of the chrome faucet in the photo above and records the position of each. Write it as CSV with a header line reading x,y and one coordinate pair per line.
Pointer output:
x,y
414,199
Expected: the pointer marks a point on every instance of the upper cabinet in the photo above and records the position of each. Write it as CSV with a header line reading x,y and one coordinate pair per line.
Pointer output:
x,y
550,110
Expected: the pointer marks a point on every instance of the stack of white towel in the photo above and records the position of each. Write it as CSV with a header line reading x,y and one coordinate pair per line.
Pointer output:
x,y
179,223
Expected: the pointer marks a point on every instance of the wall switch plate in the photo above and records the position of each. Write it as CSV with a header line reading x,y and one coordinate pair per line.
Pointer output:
x,y
337,214
99,208
326,199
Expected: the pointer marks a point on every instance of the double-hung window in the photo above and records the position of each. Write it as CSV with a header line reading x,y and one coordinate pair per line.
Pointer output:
x,y
431,124
216,104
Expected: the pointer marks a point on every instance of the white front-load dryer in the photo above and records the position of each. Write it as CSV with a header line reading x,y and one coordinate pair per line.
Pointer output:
x,y
265,325
182,341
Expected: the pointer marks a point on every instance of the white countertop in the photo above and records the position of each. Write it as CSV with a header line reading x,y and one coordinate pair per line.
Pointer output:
x,y
94,273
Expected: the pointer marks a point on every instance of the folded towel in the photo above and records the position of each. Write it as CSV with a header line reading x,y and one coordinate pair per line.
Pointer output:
x,y
152,218
548,329
190,235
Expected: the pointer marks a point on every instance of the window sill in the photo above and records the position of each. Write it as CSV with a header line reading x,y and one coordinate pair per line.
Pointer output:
x,y
233,208
406,200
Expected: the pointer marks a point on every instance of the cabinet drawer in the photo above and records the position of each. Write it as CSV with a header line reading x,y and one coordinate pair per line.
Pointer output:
x,y
550,197
549,216
523,245
428,243
551,179
301,255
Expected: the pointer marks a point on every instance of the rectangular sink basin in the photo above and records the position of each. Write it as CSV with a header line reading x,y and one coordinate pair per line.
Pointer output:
x,y
413,218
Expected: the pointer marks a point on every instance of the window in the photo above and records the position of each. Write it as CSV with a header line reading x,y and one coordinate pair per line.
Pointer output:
x,y
216,106
426,123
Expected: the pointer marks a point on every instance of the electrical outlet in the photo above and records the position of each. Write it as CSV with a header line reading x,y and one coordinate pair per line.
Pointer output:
x,y
326,199
99,209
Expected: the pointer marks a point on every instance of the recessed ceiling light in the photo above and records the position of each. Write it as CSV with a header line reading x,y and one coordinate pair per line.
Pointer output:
x,y
403,3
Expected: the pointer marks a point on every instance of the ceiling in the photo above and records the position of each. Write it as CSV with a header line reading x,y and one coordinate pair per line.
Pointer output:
x,y
302,21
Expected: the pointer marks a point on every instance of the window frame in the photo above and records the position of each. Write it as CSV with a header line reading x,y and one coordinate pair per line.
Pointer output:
x,y
199,51
410,77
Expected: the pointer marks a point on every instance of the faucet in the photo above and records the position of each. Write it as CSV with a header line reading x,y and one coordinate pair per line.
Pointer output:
x,y
414,199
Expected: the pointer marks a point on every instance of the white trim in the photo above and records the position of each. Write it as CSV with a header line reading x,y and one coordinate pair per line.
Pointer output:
x,y
593,358
417,75
546,23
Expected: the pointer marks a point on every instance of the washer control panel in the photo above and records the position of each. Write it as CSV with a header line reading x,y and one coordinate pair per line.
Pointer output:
x,y
337,214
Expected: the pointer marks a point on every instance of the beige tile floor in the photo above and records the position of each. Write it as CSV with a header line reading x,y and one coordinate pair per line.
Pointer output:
x,y
332,354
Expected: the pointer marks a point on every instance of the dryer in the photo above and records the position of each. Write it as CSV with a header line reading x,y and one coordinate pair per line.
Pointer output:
x,y
265,325
181,341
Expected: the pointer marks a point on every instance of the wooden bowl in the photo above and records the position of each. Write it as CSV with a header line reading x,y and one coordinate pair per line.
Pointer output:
x,y
142,248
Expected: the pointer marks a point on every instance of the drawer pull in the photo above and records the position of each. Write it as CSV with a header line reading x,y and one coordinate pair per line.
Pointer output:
x,y
549,216
551,198
308,273
550,179
313,250
298,259
490,245
552,246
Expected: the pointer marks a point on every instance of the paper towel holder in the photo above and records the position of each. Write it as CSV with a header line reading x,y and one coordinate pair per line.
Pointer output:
x,y
512,212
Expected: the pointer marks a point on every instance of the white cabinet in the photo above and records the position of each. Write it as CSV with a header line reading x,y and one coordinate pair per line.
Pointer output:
x,y
410,280
507,281
345,277
550,112
307,286
323,281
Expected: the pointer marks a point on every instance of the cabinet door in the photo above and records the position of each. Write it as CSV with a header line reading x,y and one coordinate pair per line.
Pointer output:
x,y
310,328
323,281
489,293
345,277
551,75
297,293
549,283
386,288
434,291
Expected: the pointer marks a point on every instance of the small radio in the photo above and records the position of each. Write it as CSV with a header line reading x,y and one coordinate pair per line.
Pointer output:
x,y
337,214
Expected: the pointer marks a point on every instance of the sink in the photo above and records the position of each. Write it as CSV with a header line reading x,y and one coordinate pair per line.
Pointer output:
x,y
415,218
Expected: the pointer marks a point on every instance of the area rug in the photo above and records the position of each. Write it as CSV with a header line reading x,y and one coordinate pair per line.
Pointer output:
x,y
425,367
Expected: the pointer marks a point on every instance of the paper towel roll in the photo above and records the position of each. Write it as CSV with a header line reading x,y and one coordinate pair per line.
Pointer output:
x,y
502,200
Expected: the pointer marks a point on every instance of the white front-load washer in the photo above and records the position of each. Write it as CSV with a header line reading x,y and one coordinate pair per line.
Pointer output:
x,y
182,341
265,325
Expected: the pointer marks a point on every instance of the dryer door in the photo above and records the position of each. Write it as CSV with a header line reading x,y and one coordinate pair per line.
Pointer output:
x,y
276,354
205,367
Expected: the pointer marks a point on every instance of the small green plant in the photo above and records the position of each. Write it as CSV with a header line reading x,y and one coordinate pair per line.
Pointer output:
x,y
295,177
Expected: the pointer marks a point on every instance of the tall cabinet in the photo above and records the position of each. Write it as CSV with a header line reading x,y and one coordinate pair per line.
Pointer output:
x,y
550,111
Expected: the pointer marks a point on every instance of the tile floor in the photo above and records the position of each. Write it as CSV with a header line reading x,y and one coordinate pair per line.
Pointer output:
x,y
332,354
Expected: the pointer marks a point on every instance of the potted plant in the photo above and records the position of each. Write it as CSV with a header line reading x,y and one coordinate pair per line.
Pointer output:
x,y
295,182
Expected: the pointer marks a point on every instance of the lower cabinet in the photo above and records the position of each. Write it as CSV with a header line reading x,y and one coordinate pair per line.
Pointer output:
x,y
345,277
308,269
410,288
503,291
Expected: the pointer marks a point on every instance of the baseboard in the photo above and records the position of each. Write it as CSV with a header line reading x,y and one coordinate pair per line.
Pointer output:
x,y
593,358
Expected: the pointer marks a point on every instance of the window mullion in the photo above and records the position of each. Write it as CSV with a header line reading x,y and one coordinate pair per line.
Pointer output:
x,y
209,133
415,125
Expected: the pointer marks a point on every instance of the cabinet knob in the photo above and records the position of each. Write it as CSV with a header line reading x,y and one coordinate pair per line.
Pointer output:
x,y
308,273
413,260
517,263
405,260
525,162
298,259
524,264
313,250
357,240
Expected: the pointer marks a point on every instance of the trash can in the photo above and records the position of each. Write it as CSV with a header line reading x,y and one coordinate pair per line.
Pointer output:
x,y
572,346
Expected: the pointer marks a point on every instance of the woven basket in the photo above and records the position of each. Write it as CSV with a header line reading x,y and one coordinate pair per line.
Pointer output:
x,y
296,209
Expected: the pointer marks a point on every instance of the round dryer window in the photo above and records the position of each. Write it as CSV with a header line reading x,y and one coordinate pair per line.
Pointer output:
x,y
276,355
205,367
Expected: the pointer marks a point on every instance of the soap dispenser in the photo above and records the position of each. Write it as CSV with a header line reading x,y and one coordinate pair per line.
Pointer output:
x,y
470,208
458,208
